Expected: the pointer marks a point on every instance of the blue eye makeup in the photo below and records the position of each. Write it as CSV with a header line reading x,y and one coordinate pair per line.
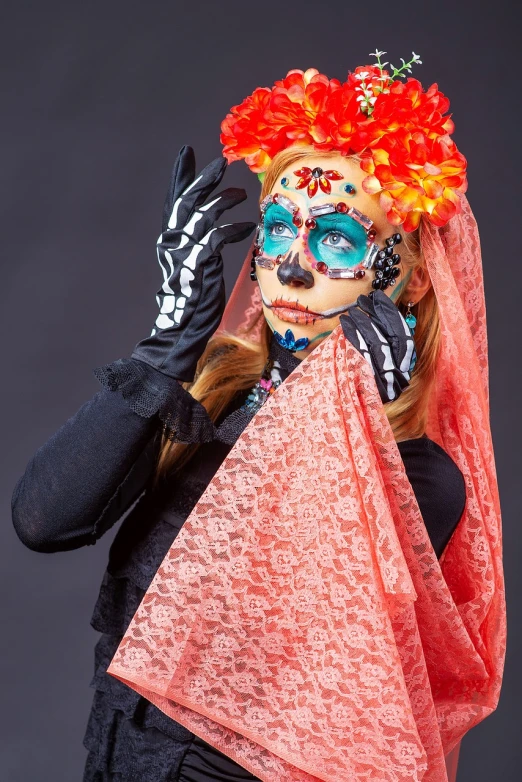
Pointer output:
x,y
279,231
338,240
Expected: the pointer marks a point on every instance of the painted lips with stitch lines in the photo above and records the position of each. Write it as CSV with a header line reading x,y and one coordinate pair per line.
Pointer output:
x,y
293,312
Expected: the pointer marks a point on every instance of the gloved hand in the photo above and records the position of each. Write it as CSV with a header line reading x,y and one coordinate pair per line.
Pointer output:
x,y
192,297
383,337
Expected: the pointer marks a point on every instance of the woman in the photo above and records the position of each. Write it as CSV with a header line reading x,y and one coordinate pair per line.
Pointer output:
x,y
316,267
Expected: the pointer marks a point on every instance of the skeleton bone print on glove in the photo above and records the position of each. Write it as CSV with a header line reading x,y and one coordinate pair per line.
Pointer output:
x,y
385,340
192,297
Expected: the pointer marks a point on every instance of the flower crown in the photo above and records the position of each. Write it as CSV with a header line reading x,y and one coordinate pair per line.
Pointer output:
x,y
400,132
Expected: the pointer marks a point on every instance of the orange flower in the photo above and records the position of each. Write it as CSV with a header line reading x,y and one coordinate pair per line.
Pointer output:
x,y
416,175
298,100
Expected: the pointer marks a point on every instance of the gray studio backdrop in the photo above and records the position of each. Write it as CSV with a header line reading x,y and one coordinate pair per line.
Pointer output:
x,y
96,99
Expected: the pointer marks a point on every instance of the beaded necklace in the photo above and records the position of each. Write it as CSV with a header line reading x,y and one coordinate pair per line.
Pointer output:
x,y
266,385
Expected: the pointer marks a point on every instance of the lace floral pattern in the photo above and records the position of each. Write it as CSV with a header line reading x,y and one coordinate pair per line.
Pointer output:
x,y
323,639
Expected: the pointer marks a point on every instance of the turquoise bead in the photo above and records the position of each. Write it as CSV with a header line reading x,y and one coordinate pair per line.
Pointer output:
x,y
411,320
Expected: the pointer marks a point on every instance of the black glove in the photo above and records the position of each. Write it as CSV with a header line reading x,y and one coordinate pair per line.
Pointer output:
x,y
385,340
192,297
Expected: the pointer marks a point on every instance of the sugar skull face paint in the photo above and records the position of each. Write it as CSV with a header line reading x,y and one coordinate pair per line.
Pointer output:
x,y
280,231
305,298
338,240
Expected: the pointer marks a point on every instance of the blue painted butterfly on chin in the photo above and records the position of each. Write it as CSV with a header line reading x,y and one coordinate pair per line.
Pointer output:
x,y
290,342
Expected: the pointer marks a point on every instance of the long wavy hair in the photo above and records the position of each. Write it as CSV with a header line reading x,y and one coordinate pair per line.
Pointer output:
x,y
231,364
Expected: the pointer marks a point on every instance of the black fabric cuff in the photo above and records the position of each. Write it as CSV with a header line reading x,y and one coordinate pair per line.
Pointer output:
x,y
149,392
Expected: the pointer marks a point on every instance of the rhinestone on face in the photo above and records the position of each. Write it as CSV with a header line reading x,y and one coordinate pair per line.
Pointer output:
x,y
310,223
342,274
322,267
321,209
265,262
350,189
341,207
297,220
285,181
370,256
362,219
317,172
286,203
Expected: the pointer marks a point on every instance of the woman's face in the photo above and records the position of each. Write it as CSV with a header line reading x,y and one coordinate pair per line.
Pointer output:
x,y
300,252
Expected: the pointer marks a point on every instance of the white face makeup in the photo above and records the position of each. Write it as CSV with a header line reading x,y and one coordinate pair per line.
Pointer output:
x,y
314,265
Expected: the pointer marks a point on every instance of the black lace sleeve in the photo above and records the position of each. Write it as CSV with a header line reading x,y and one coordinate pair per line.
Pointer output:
x,y
96,466
149,392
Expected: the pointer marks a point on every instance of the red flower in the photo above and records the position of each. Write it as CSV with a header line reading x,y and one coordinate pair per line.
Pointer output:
x,y
401,131
246,132
341,121
316,178
407,107
270,120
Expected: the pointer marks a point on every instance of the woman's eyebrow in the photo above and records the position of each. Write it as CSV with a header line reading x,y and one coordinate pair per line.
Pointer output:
x,y
318,210
335,218
277,211
281,200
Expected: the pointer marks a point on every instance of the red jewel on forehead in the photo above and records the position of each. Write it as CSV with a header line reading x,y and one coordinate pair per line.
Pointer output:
x,y
316,178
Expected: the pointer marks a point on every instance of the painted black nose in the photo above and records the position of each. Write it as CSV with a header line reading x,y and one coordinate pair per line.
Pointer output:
x,y
290,272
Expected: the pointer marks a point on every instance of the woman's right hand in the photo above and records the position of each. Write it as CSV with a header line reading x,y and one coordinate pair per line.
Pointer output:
x,y
192,298
375,326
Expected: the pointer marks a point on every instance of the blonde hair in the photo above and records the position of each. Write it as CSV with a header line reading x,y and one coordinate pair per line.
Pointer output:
x,y
231,364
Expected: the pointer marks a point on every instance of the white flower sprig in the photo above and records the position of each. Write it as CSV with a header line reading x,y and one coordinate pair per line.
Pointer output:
x,y
397,72
378,84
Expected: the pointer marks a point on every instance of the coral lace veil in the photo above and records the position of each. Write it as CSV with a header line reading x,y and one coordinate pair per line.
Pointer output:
x,y
301,622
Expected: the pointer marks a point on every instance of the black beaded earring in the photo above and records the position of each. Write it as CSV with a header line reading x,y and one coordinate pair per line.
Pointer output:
x,y
385,264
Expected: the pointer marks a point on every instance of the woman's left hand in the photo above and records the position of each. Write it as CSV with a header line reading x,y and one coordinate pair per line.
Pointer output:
x,y
382,336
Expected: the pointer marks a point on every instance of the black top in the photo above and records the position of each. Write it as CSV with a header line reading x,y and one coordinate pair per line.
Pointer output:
x,y
96,470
